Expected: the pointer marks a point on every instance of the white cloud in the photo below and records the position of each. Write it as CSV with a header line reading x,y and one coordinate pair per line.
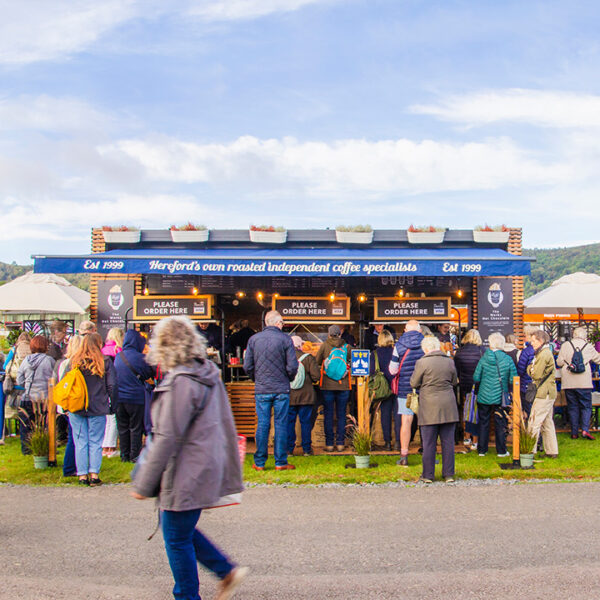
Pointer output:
x,y
342,167
229,10
545,108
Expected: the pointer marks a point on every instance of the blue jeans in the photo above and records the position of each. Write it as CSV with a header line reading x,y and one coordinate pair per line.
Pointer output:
x,y
2,401
304,413
69,465
88,433
279,405
185,545
579,403
338,400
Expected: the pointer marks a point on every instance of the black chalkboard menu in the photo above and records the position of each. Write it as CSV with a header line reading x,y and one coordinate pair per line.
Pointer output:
x,y
115,297
154,308
494,306
405,309
312,308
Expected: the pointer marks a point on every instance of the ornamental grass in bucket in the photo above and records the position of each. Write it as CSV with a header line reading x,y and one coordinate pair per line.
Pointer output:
x,y
527,442
39,438
361,443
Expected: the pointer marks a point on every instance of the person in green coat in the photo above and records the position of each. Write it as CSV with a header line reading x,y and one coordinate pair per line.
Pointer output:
x,y
494,373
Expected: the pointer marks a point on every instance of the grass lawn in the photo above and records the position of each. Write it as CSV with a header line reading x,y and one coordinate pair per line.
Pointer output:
x,y
579,460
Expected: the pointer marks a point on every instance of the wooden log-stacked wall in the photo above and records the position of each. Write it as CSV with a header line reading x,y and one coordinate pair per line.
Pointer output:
x,y
99,245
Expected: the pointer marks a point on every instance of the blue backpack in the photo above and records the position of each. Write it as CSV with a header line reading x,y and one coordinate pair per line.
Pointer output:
x,y
335,365
577,364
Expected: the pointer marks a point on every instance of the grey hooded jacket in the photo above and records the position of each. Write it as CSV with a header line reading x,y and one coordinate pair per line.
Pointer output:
x,y
194,454
34,373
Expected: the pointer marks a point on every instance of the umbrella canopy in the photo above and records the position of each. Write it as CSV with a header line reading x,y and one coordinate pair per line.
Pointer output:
x,y
568,294
34,293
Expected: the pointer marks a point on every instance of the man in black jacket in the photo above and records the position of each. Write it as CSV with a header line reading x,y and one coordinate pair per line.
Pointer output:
x,y
271,362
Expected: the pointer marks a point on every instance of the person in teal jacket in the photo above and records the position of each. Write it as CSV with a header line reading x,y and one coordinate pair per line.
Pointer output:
x,y
494,373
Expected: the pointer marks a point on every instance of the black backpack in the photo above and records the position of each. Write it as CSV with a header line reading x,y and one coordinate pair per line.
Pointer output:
x,y
577,364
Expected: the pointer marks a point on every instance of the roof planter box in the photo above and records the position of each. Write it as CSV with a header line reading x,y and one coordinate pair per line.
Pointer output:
x,y
268,237
190,235
491,237
354,237
122,237
425,237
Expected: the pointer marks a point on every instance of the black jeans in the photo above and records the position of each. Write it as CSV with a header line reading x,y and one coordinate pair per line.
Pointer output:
x,y
484,414
25,418
429,436
389,409
130,423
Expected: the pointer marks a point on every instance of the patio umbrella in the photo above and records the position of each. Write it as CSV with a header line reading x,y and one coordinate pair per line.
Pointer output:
x,y
42,293
574,293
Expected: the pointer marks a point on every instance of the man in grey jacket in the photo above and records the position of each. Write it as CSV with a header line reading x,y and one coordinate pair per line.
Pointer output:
x,y
271,362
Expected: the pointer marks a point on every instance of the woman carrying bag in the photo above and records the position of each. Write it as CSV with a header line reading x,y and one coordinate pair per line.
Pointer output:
x,y
193,460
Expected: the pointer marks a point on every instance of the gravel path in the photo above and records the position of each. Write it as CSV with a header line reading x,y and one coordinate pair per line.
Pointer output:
x,y
377,542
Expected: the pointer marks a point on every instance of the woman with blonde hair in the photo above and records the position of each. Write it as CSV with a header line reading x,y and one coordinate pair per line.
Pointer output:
x,y
88,425
193,459
112,346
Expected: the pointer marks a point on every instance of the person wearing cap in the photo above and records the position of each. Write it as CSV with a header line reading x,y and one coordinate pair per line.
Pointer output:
x,y
335,393
302,399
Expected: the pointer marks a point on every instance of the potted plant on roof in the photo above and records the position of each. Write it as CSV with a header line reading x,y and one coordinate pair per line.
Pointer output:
x,y
39,438
121,234
491,235
267,234
527,442
361,443
425,235
189,233
358,234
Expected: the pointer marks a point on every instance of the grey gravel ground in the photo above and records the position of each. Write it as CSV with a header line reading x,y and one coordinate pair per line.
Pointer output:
x,y
439,542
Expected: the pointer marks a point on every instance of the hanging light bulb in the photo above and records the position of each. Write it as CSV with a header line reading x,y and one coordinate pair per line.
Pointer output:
x,y
241,294
459,293
259,296
332,296
362,298
146,291
195,291
400,293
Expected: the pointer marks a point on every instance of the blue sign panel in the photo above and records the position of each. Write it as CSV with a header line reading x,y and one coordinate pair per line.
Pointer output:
x,y
361,360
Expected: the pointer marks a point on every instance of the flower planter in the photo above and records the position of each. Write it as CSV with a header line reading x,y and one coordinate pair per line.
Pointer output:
x,y
491,237
40,462
354,237
426,237
193,235
121,237
268,237
362,462
526,460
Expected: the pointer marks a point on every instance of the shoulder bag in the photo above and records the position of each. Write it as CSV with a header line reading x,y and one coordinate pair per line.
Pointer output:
x,y
532,388
506,396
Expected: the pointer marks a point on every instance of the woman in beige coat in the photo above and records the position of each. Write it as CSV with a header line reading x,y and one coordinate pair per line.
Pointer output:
x,y
541,371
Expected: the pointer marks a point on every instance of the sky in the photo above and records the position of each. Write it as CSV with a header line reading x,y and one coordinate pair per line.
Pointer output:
x,y
300,113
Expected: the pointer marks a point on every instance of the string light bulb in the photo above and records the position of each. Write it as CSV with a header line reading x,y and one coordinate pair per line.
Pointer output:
x,y
259,296
241,294
459,293
195,291
275,295
332,296
400,293
146,291
362,298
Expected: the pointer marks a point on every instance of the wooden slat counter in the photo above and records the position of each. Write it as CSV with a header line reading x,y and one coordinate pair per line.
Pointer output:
x,y
241,396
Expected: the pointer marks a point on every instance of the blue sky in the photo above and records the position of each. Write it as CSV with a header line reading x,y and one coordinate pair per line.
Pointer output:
x,y
302,113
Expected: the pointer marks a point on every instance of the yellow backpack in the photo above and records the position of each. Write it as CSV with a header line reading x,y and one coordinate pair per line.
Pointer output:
x,y
71,393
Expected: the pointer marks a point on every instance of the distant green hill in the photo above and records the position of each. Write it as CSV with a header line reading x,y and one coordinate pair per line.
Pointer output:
x,y
12,271
553,263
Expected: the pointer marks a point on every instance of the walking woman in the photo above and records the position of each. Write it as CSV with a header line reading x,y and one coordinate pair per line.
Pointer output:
x,y
494,373
542,372
88,425
435,377
193,459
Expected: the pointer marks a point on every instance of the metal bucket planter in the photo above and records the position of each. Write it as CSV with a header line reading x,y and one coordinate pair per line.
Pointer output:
x,y
40,462
362,462
526,460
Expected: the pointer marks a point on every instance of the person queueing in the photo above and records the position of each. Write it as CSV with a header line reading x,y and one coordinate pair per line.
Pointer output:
x,y
112,346
132,371
577,383
88,425
12,391
465,360
382,356
407,352
302,398
193,459
336,392
494,373
34,373
435,378
271,362
524,359
542,372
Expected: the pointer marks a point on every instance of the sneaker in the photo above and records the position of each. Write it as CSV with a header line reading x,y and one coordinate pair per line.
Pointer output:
x,y
231,583
425,480
257,468
449,479
113,454
503,455
309,453
467,443
328,448
403,462
340,447
285,467
387,447
482,454
587,435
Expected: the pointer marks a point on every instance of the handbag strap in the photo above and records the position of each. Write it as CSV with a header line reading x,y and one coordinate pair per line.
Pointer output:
x,y
377,367
135,373
499,375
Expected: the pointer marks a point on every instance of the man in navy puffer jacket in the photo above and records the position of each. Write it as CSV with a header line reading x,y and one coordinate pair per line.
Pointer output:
x,y
525,359
406,354
132,370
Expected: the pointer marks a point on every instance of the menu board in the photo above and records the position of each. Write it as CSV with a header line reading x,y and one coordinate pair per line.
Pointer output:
x,y
153,308
494,306
405,309
115,298
310,308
